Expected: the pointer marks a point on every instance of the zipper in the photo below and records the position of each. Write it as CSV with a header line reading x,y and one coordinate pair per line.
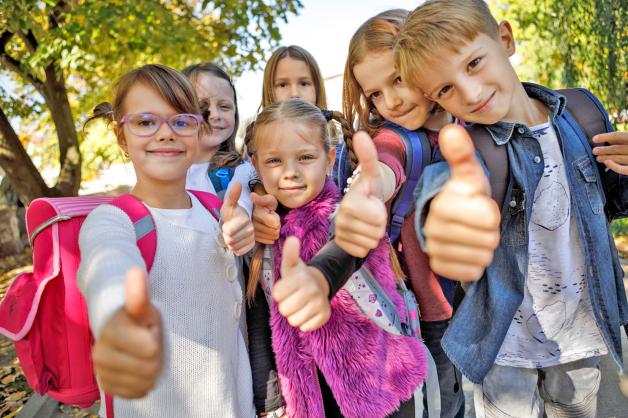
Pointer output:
x,y
318,386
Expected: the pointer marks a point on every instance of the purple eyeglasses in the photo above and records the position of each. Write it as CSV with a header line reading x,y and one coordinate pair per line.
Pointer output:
x,y
147,124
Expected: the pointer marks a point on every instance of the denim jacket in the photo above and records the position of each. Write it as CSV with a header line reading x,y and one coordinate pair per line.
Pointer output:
x,y
479,326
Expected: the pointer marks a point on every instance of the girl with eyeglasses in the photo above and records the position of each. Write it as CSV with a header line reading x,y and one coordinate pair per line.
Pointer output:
x,y
169,342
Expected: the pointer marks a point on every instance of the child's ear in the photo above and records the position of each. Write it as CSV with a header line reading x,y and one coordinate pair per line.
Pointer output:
x,y
121,140
331,158
506,37
254,161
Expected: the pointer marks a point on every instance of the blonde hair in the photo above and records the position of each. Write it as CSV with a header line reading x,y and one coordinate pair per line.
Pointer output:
x,y
170,84
226,156
377,34
437,24
299,54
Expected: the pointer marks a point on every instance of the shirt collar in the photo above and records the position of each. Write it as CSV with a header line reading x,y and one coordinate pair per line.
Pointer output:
x,y
502,132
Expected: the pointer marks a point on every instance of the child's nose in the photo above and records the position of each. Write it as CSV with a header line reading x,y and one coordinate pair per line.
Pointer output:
x,y
391,100
290,169
165,132
471,91
294,91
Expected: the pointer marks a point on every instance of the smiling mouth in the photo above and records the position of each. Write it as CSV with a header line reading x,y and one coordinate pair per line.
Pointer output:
x,y
292,189
401,114
166,152
484,105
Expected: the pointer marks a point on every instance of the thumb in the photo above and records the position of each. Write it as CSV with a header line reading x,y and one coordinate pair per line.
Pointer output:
x,y
230,202
365,151
290,254
466,172
267,201
137,303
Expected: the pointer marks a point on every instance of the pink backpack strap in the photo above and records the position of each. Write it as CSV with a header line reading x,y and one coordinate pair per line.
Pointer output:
x,y
143,223
211,202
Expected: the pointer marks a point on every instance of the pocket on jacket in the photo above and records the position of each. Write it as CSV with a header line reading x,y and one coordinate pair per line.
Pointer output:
x,y
588,178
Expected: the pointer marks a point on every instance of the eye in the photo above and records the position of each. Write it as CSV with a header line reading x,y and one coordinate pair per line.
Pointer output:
x,y
474,63
145,122
306,83
444,91
375,95
181,123
307,157
271,161
281,85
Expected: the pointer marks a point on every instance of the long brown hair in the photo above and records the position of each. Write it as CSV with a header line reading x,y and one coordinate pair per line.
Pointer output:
x,y
300,54
377,34
170,84
227,155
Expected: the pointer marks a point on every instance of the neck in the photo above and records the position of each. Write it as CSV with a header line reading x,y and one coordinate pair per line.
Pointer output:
x,y
525,109
205,155
162,195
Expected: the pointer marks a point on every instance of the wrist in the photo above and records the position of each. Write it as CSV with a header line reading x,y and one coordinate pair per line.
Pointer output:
x,y
321,280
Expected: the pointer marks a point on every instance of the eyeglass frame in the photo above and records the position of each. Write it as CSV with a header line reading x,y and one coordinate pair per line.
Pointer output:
x,y
198,118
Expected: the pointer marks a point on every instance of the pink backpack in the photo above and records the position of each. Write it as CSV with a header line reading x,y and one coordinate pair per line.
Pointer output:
x,y
44,312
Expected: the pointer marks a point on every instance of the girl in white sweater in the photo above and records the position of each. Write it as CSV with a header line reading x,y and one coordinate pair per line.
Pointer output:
x,y
169,342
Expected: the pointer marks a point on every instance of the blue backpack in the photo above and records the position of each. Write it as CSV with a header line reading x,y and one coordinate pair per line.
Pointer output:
x,y
418,155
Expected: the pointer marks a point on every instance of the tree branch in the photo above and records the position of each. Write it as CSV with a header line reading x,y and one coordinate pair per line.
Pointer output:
x,y
16,65
29,40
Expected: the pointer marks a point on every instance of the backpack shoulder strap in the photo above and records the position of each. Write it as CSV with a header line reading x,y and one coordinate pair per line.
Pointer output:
x,y
587,111
143,223
418,154
496,159
211,202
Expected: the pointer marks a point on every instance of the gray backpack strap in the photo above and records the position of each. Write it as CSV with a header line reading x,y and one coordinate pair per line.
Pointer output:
x,y
496,159
583,107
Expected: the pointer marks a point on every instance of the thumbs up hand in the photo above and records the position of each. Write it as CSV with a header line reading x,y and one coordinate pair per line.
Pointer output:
x,y
237,229
128,354
361,217
266,222
302,293
462,225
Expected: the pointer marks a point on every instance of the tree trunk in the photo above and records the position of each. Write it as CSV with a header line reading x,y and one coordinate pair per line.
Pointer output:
x,y
18,166
10,242
56,97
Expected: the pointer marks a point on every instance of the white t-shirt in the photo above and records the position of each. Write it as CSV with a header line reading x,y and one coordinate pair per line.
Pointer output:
x,y
198,179
555,323
196,285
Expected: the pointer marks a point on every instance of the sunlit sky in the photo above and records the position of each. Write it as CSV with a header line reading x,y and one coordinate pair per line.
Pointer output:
x,y
324,28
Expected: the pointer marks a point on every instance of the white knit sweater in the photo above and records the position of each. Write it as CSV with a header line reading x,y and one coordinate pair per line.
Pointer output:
x,y
196,286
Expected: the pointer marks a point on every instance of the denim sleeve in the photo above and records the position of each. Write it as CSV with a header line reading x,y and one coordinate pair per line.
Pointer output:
x,y
431,182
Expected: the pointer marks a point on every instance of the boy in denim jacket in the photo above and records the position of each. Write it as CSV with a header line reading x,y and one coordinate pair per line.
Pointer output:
x,y
550,299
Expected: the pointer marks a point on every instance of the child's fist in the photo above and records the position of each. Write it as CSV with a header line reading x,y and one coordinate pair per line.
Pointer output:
x,y
361,217
615,153
266,222
128,354
302,294
237,229
462,225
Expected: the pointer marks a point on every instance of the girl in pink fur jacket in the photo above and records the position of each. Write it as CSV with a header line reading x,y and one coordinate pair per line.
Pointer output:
x,y
330,358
